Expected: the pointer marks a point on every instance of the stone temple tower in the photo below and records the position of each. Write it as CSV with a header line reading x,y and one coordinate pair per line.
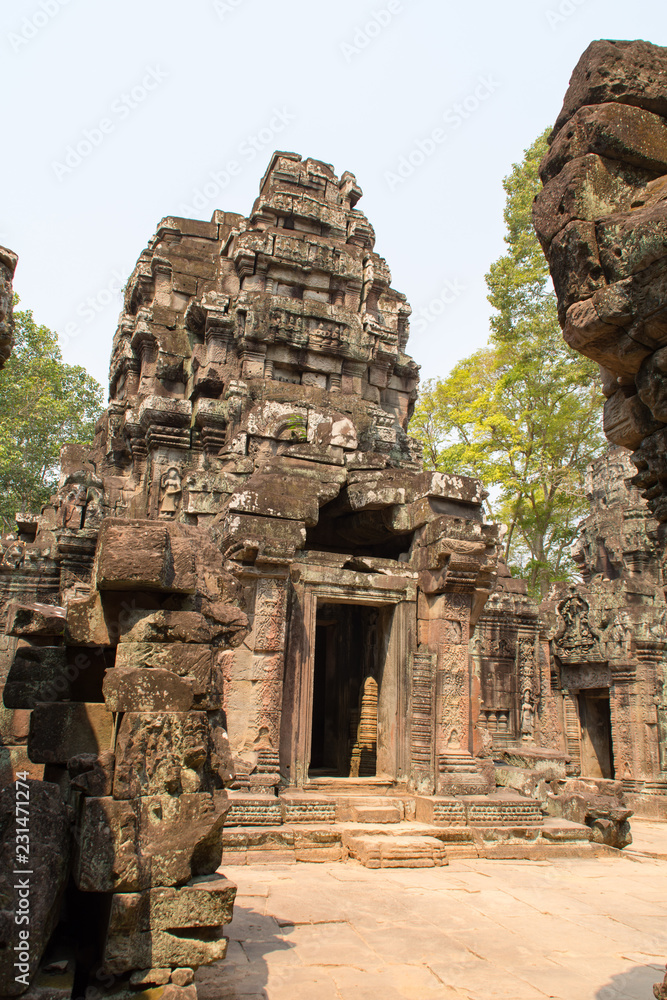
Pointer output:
x,y
248,602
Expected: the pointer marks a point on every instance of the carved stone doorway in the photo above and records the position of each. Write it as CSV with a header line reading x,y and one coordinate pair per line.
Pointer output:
x,y
345,702
597,755
348,667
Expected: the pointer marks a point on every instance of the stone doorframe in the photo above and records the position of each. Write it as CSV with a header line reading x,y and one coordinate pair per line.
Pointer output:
x,y
313,585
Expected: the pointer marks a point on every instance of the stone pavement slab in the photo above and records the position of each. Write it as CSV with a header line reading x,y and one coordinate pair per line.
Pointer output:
x,y
648,836
566,929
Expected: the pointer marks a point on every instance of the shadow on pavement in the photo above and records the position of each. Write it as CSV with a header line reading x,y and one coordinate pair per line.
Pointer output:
x,y
244,973
636,984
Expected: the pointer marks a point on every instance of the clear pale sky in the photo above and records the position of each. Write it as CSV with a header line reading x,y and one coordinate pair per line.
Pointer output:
x,y
119,112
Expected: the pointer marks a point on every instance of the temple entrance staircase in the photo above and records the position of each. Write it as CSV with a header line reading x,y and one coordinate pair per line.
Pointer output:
x,y
374,822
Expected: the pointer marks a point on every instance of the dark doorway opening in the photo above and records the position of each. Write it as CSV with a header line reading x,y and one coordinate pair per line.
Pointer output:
x,y
349,643
597,754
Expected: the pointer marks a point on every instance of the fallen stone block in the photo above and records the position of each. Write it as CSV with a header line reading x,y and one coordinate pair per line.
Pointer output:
x,y
98,620
162,753
150,977
92,774
219,627
139,555
191,660
128,689
37,673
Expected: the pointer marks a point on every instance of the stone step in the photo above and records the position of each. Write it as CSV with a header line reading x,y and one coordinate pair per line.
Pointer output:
x,y
374,814
369,809
308,807
331,842
494,810
386,851
253,810
441,809
552,838
350,786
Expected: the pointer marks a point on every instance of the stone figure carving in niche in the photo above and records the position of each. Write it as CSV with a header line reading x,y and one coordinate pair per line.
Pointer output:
x,y
72,508
13,555
527,716
575,637
505,646
527,670
657,627
367,279
94,507
452,631
172,491
619,634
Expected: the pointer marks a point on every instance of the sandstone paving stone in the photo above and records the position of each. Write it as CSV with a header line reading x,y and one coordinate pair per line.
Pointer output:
x,y
483,981
309,909
559,983
333,944
404,942
248,925
648,838
395,983
382,924
312,983
618,931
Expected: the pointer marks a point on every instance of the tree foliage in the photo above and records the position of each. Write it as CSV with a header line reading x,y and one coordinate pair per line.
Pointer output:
x,y
44,404
523,414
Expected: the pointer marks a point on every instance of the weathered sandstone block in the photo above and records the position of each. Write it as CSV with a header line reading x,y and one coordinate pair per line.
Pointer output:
x,y
156,840
59,731
47,865
128,689
163,753
149,928
29,620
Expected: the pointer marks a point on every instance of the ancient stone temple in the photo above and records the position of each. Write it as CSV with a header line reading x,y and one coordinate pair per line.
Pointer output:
x,y
241,628
260,392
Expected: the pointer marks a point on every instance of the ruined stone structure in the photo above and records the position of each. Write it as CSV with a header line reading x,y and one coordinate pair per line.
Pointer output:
x,y
251,584
601,221
8,261
250,627
608,642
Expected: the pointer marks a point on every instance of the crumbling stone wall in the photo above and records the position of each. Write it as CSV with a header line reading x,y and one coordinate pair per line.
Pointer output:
x,y
601,221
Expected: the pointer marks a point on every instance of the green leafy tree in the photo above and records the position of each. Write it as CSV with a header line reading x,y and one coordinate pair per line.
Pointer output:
x,y
44,404
523,414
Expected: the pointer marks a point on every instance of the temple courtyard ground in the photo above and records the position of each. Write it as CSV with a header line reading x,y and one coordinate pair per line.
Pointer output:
x,y
572,929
